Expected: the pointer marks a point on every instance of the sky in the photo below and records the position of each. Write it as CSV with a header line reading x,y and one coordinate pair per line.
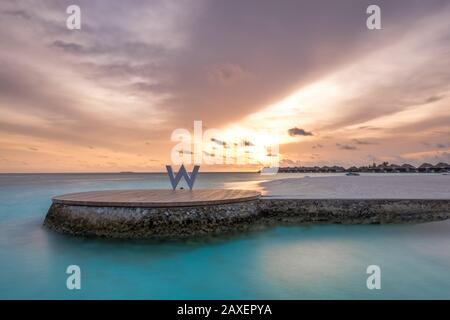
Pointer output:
x,y
302,82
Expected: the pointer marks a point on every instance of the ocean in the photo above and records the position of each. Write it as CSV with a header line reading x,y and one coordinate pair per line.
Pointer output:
x,y
280,262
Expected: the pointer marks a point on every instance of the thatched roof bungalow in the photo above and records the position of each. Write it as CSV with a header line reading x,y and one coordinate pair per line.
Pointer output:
x,y
426,167
337,169
442,167
406,167
381,168
393,168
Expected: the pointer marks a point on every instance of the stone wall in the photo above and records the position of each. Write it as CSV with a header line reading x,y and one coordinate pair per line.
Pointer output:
x,y
127,222
180,222
354,211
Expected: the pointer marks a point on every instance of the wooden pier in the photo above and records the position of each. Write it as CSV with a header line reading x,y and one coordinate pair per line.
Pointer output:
x,y
175,214
156,198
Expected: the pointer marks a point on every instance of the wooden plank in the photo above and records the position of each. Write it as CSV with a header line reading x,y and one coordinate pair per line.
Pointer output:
x,y
156,197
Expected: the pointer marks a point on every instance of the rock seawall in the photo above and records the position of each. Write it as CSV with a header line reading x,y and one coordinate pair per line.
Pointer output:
x,y
354,211
181,222
139,222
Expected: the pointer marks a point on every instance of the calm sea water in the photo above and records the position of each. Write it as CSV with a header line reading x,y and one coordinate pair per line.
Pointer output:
x,y
284,262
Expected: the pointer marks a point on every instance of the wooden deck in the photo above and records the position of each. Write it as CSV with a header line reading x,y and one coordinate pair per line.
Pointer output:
x,y
156,198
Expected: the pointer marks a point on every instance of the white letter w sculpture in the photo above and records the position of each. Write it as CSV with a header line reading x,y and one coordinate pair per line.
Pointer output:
x,y
175,179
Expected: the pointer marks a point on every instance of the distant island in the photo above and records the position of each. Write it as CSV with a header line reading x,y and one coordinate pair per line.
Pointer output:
x,y
384,167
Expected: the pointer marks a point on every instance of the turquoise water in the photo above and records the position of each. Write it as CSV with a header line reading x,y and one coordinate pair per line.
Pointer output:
x,y
284,262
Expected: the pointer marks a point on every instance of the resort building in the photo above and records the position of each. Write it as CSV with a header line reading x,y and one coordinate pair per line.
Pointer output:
x,y
381,168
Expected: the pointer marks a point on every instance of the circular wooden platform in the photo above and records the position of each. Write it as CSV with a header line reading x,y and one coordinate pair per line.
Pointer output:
x,y
156,198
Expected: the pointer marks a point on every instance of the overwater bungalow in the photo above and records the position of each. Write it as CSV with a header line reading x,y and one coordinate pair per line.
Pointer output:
x,y
381,168
337,169
406,167
442,167
393,168
426,167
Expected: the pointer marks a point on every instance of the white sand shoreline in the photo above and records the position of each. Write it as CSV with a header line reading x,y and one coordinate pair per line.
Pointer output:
x,y
360,187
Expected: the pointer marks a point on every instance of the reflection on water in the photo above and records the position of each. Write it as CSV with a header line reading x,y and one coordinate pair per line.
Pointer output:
x,y
323,261
307,263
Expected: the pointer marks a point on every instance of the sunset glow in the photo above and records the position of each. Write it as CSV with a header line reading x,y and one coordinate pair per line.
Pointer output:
x,y
108,97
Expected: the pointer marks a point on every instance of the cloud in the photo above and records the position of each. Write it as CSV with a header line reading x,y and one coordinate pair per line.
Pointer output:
x,y
289,162
434,99
17,13
208,154
299,132
136,51
346,147
219,142
70,47
226,73
255,48
136,72
368,128
185,152
363,142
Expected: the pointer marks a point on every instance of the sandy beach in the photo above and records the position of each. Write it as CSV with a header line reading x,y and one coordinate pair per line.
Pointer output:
x,y
360,187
